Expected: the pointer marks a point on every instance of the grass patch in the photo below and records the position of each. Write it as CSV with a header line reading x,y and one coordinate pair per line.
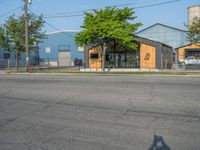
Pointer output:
x,y
46,71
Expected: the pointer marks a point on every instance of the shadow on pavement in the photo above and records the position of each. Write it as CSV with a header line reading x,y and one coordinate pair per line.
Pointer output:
x,y
159,144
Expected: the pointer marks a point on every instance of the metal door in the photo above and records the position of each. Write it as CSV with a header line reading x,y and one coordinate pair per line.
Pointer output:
x,y
64,58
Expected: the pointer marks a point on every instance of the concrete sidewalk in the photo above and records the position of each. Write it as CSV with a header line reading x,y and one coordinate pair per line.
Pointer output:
x,y
3,72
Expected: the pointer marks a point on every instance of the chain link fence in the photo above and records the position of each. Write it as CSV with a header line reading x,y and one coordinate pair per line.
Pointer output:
x,y
4,63
40,64
76,64
61,63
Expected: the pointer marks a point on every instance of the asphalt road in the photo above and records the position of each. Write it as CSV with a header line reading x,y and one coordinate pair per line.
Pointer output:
x,y
39,112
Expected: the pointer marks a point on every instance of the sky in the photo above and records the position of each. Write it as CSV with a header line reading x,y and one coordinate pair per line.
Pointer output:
x,y
173,14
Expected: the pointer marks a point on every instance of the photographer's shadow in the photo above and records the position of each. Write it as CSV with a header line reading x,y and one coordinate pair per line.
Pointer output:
x,y
159,144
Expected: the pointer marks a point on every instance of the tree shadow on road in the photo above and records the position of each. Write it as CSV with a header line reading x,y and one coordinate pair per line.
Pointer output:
x,y
159,144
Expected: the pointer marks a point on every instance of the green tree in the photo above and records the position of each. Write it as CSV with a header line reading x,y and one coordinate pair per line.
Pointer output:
x,y
194,30
12,34
4,40
109,24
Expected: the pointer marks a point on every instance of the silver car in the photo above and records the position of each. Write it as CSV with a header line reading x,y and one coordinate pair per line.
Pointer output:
x,y
191,60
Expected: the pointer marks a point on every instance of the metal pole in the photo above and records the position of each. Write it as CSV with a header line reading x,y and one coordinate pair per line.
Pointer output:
x,y
161,60
26,33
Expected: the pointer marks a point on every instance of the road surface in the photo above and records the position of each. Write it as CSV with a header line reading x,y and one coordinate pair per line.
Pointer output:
x,y
40,112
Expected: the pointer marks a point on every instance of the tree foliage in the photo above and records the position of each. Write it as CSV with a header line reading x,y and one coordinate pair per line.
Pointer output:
x,y
110,24
194,30
4,40
12,33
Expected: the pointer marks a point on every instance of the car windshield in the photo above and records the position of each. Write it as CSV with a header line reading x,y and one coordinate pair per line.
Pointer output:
x,y
190,58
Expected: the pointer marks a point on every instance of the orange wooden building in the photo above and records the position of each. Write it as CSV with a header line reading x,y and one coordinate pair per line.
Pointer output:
x,y
148,55
192,49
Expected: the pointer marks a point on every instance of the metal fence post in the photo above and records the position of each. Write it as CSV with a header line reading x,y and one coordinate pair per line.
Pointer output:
x,y
8,63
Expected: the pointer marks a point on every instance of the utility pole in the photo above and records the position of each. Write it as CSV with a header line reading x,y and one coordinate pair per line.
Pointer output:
x,y
26,33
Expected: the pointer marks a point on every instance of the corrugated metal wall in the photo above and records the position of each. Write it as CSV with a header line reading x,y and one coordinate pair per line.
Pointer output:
x,y
60,41
164,34
167,57
22,61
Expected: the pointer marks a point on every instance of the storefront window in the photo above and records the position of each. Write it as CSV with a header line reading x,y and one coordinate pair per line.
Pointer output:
x,y
94,56
6,56
192,52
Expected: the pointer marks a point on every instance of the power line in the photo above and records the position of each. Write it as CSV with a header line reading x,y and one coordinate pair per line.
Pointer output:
x,y
81,14
139,7
80,11
163,3
52,26
65,16
59,30
13,10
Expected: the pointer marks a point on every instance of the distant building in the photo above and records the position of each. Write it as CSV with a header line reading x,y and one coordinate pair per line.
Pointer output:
x,y
8,58
193,11
171,36
185,51
59,49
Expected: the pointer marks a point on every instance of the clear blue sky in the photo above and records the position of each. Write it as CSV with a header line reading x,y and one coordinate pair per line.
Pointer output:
x,y
174,14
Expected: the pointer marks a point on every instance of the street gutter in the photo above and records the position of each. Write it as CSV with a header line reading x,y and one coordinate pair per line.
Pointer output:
x,y
185,74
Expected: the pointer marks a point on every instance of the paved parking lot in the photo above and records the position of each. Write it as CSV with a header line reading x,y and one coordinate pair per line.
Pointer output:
x,y
39,112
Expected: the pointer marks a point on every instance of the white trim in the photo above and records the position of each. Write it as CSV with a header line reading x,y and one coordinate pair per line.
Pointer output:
x,y
63,31
118,70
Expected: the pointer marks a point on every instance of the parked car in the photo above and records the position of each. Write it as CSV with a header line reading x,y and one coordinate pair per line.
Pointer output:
x,y
191,60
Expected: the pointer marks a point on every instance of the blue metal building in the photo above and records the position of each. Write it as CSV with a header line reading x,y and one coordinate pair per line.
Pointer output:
x,y
165,34
59,49
8,58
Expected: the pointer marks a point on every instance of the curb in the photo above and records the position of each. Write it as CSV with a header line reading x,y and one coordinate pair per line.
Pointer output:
x,y
106,74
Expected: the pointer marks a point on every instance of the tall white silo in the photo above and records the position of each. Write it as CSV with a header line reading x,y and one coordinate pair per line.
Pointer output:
x,y
193,11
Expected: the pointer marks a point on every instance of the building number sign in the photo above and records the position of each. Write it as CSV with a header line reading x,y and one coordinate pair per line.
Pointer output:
x,y
147,56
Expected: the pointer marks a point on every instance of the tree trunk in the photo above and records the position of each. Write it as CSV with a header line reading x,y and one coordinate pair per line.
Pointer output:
x,y
17,60
114,59
103,47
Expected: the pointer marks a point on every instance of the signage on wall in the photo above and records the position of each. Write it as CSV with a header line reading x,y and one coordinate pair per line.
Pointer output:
x,y
80,49
147,56
48,50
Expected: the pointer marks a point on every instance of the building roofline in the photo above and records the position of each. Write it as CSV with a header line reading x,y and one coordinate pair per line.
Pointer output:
x,y
197,5
187,45
161,25
134,39
152,41
63,31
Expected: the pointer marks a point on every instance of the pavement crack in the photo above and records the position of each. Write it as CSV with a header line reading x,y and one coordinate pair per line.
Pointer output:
x,y
6,93
65,100
125,113
151,93
131,103
21,116
153,121
16,118
187,121
33,97
8,121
